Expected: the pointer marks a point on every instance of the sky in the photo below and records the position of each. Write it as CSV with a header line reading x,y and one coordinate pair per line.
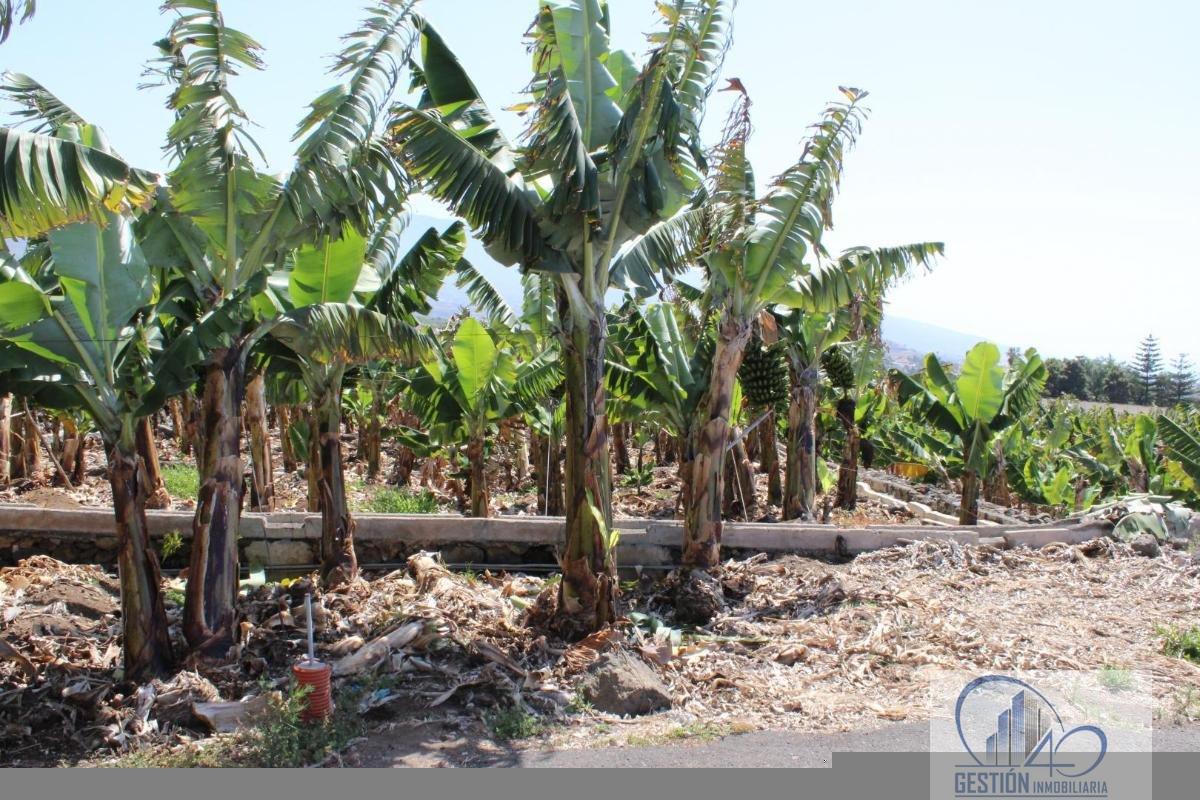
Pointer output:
x,y
1052,145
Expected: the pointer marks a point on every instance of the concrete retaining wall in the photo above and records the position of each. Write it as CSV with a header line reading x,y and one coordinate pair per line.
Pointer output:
x,y
290,539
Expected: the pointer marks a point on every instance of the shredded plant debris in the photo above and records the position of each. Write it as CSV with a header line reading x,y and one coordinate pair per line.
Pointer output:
x,y
802,644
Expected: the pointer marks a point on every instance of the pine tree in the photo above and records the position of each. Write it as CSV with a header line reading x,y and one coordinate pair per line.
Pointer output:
x,y
1147,365
1180,383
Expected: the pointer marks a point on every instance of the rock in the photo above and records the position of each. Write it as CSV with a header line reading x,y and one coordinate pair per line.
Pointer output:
x,y
1144,544
620,683
279,553
698,598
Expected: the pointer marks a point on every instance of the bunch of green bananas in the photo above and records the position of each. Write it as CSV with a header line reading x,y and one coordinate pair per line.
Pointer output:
x,y
838,368
764,373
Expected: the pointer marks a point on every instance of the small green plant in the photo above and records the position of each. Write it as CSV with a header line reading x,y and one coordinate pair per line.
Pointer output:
x,y
1182,643
182,481
580,704
174,597
514,722
172,543
387,500
279,739
1115,679
639,478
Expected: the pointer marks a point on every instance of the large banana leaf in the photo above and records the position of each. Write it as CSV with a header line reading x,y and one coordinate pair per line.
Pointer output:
x,y
980,384
52,181
214,181
46,112
484,295
669,247
344,173
449,91
1182,446
106,283
791,218
327,272
476,358
455,171
333,333
581,51
411,279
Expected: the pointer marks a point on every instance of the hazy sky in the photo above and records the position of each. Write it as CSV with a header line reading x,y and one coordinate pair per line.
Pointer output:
x,y
1051,145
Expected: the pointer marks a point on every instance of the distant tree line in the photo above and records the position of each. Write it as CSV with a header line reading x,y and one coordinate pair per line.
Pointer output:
x,y
1147,380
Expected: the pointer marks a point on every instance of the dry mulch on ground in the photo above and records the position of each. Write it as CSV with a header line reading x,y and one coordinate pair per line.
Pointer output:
x,y
802,644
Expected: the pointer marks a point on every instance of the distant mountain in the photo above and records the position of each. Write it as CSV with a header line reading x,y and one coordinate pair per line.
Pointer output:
x,y
909,341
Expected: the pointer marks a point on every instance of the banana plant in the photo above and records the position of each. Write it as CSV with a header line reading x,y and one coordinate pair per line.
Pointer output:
x,y
469,388
92,329
327,330
983,400
865,362
610,149
806,337
219,221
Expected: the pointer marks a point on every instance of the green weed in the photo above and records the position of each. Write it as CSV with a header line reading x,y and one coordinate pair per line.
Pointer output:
x,y
514,722
1182,643
387,500
172,543
182,481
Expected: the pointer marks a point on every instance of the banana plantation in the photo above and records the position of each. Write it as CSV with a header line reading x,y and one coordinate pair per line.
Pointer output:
x,y
687,349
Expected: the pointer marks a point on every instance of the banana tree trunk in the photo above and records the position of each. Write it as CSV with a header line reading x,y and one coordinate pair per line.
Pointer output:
x,y
209,610
68,453
339,565
522,456
175,408
769,462
157,495
620,450
5,439
29,460
192,429
402,466
995,487
147,645
283,416
262,486
968,509
373,439
666,449
847,488
478,478
587,592
800,481
702,514
312,470
80,467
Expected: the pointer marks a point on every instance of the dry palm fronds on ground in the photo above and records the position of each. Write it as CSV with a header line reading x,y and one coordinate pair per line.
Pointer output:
x,y
801,644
